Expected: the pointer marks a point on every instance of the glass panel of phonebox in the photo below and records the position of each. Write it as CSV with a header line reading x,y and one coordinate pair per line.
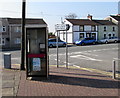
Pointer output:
x,y
36,52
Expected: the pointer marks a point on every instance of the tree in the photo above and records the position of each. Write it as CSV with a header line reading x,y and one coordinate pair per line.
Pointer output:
x,y
50,33
71,16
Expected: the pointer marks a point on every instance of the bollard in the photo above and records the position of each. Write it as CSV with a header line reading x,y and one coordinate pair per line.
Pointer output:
x,y
113,66
7,60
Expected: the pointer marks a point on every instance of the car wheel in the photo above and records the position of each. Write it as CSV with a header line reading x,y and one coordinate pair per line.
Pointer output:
x,y
50,45
106,42
94,43
115,41
82,44
64,45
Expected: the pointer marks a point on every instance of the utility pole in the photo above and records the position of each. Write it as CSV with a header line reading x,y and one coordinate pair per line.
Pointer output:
x,y
22,67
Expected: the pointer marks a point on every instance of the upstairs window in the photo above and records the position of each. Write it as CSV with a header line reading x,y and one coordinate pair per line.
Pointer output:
x,y
113,28
105,28
3,28
93,28
81,28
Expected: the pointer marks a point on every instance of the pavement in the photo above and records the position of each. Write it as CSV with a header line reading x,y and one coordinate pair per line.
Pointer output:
x,y
61,82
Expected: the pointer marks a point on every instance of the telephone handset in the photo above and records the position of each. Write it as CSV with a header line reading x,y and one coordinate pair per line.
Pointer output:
x,y
42,47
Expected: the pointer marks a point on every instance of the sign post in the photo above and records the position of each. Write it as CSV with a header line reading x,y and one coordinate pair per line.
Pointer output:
x,y
62,27
66,50
57,51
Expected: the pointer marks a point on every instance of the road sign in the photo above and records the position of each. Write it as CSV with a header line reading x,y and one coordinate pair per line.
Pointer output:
x,y
62,27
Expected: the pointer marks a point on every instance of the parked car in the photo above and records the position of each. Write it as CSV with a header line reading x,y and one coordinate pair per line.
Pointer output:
x,y
53,43
110,40
86,41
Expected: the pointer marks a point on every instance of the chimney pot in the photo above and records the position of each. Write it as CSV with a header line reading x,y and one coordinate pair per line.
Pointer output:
x,y
89,17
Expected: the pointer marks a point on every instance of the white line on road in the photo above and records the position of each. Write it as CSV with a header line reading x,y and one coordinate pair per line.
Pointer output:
x,y
76,66
85,57
56,60
82,68
89,51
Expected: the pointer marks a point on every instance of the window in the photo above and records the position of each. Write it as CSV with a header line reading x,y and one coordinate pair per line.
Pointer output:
x,y
94,35
93,28
105,36
63,35
81,35
113,35
17,40
109,36
2,41
105,28
18,29
3,29
113,28
81,28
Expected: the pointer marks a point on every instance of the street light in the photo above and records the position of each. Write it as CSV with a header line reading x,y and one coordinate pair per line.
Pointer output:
x,y
22,67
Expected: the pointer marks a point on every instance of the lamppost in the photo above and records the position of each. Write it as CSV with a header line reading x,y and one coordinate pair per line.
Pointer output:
x,y
22,67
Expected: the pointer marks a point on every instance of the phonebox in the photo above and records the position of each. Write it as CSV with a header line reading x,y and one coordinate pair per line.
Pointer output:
x,y
37,51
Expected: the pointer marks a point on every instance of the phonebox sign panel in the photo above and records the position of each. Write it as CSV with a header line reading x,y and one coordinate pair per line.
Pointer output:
x,y
36,64
60,27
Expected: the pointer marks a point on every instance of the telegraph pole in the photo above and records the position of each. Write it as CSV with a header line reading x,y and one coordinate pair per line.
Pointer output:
x,y
22,67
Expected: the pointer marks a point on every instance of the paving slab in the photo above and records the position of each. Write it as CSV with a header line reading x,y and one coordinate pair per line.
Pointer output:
x,y
69,82
10,82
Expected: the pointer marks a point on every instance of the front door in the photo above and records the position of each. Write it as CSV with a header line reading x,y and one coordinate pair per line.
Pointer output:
x,y
88,34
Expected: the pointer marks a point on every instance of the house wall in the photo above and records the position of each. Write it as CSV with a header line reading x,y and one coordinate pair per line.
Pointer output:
x,y
62,36
119,29
4,36
108,31
15,36
116,22
71,25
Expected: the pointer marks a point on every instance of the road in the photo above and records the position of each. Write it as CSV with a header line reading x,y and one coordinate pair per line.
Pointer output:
x,y
90,56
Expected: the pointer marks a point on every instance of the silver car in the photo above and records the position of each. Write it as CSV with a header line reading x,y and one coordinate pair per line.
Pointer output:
x,y
110,40
53,43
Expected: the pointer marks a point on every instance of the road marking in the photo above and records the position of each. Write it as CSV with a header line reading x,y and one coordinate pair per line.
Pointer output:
x,y
82,68
15,58
89,54
16,64
84,51
68,63
56,60
85,57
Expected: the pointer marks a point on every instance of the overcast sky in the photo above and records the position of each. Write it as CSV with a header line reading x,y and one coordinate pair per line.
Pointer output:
x,y
52,11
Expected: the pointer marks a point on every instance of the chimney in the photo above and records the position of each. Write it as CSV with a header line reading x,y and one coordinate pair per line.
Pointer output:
x,y
89,17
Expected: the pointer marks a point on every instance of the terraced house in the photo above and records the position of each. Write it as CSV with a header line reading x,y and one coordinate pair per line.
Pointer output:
x,y
10,31
82,28
115,19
